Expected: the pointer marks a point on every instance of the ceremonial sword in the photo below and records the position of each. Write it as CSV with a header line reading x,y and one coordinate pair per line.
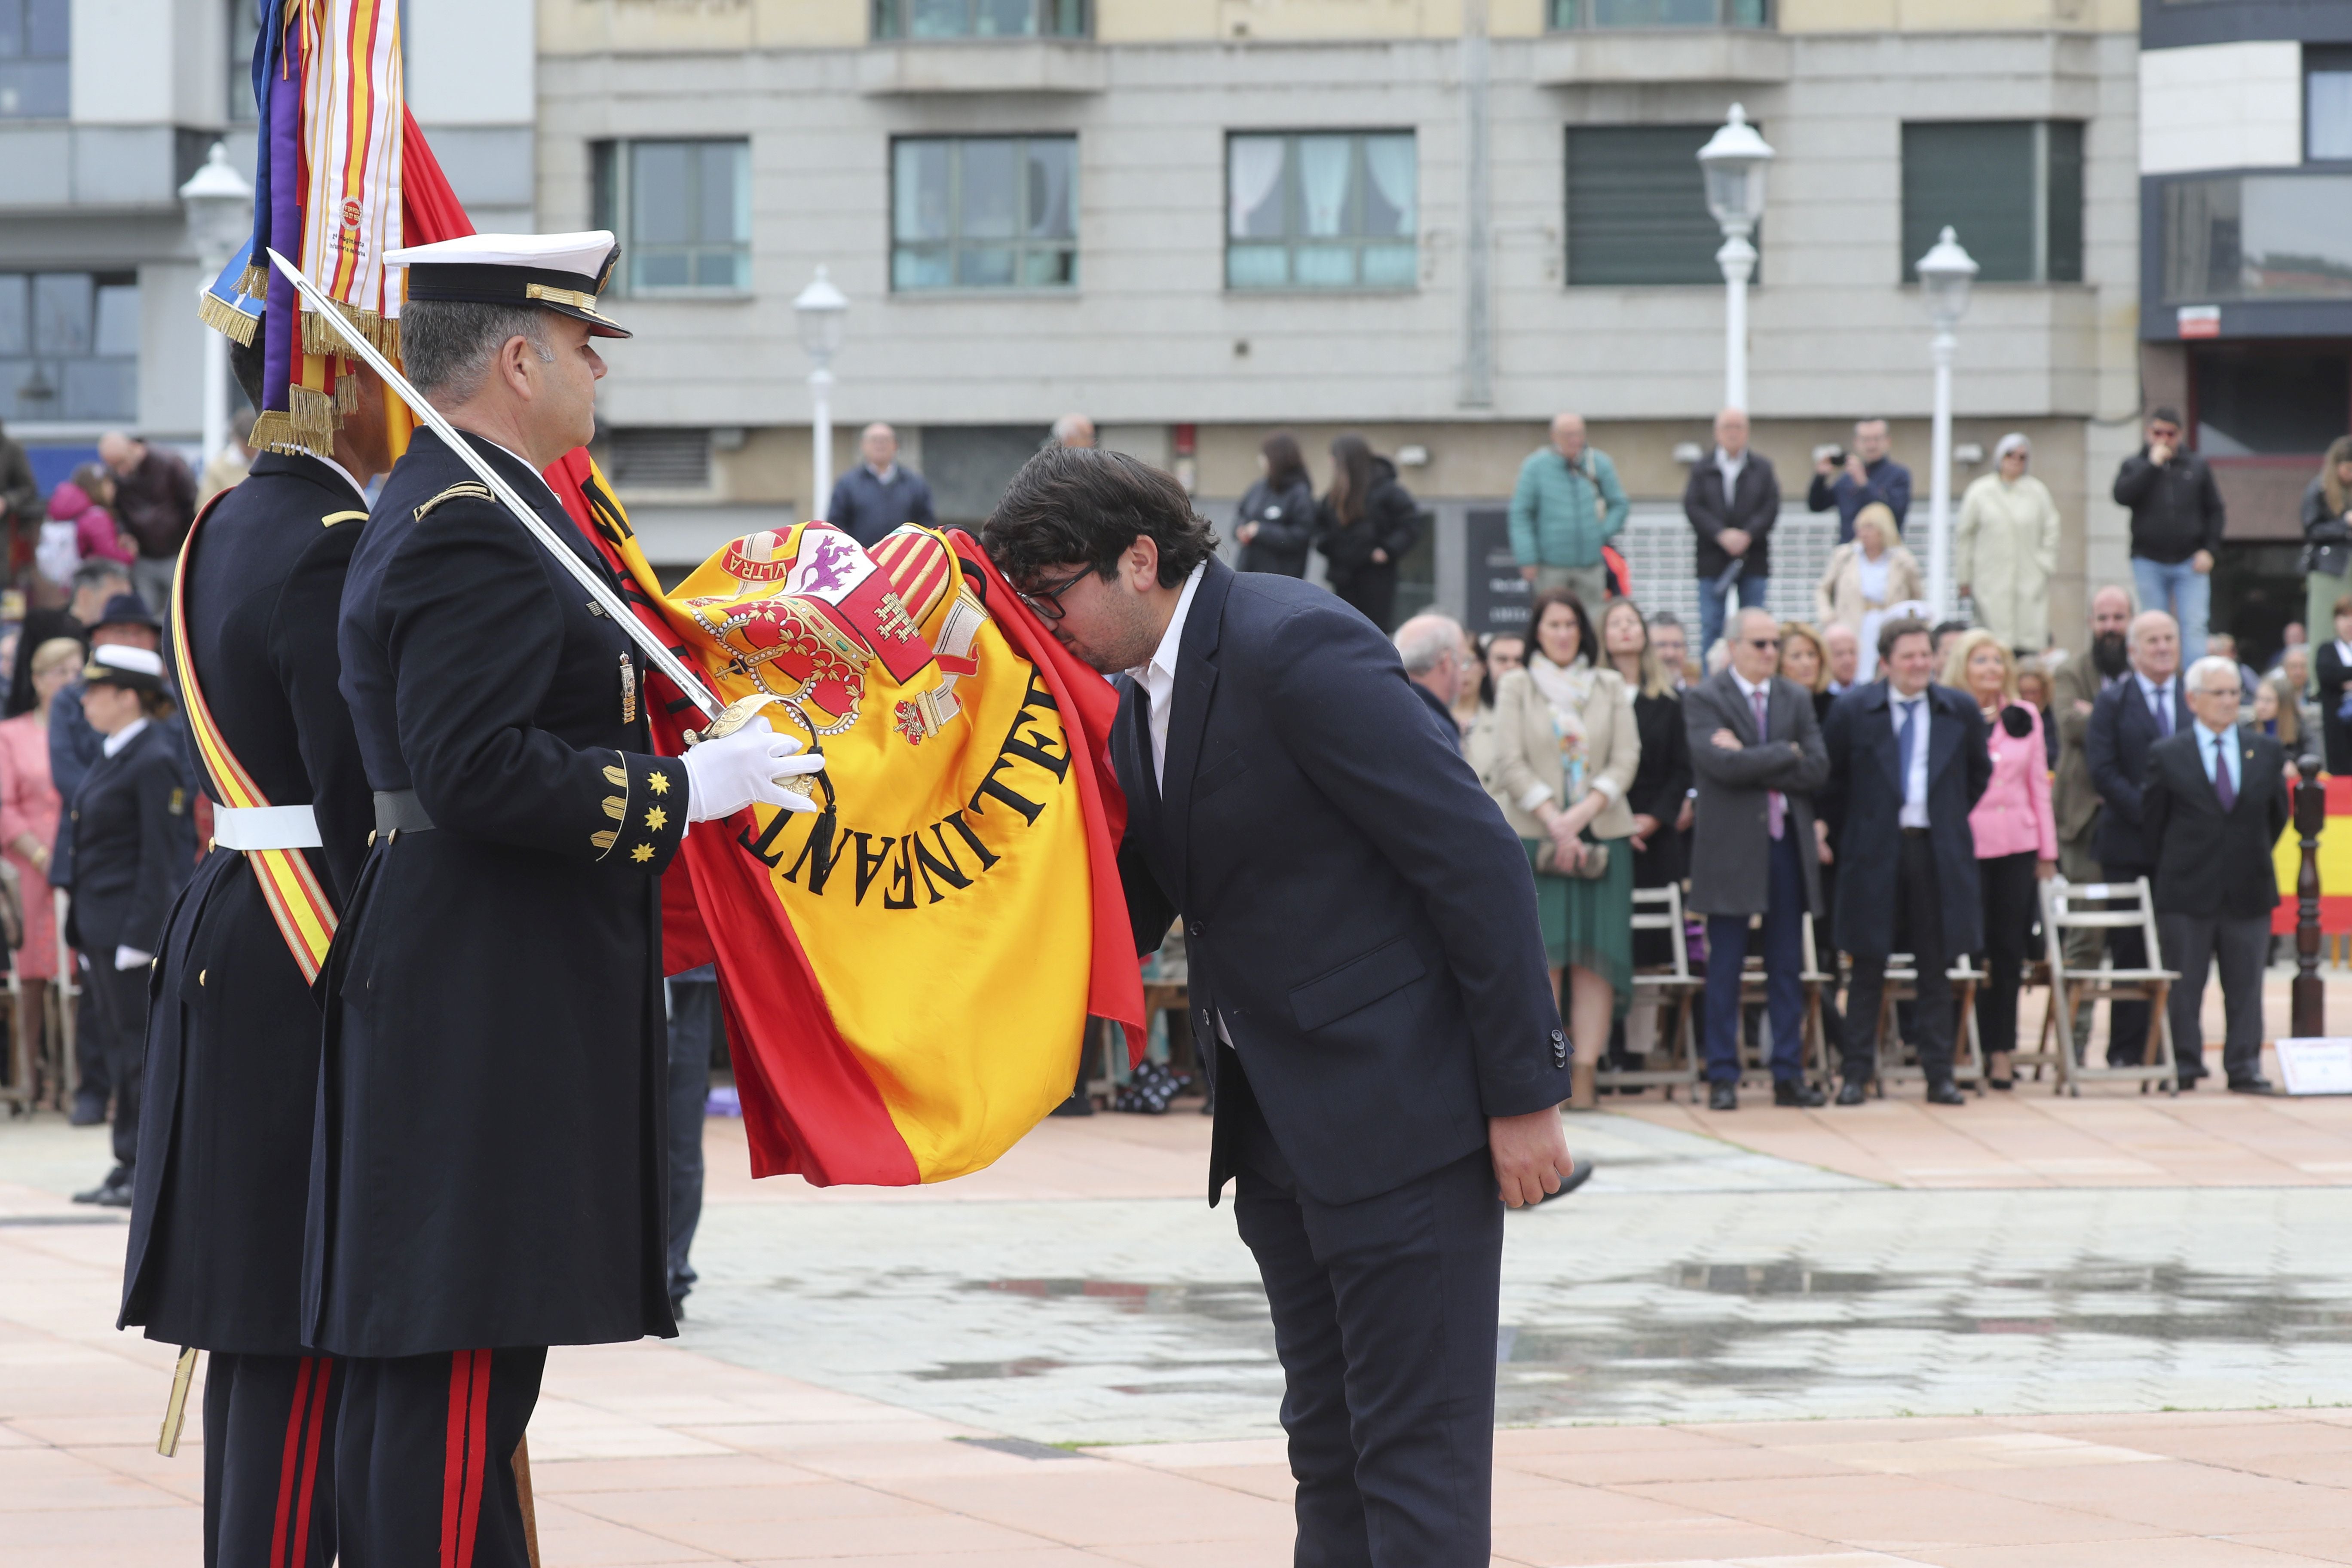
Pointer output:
x,y
600,590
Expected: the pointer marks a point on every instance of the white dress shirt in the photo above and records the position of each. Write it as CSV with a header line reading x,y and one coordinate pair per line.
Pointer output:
x,y
344,474
2218,748
2158,694
1732,468
1158,675
1915,782
124,736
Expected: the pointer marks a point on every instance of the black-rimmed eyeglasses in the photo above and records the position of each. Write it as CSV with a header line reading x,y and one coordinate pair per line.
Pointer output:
x,y
1045,603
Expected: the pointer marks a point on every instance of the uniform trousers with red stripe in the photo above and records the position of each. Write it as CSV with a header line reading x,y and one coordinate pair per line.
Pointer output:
x,y
269,1460
425,1459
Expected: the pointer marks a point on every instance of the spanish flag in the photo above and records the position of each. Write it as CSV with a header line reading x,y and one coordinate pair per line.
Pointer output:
x,y
908,971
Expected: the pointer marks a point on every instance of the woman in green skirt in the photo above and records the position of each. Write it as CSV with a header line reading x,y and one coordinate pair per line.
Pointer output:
x,y
1564,751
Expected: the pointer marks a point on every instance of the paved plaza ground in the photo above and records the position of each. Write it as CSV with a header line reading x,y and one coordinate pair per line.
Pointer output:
x,y
2108,1331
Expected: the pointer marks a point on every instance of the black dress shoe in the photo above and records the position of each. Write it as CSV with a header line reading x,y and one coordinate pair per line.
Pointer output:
x,y
114,1197
1854,1092
1796,1093
2255,1085
1580,1171
1077,1105
1943,1091
1723,1096
117,1180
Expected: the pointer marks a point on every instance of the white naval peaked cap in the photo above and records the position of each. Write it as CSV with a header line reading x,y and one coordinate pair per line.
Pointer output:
x,y
119,664
559,272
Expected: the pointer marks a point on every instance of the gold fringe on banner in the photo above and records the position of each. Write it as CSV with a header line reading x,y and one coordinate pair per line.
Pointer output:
x,y
227,320
254,281
319,338
273,431
347,390
314,420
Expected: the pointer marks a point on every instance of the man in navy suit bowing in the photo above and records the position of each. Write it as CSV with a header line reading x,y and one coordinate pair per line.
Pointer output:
x,y
2126,722
1907,763
1362,927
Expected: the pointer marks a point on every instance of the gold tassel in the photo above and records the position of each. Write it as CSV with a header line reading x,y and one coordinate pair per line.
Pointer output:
x,y
314,420
390,340
254,281
227,320
273,431
319,338
347,391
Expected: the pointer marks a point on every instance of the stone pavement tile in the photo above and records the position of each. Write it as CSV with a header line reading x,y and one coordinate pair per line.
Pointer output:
x,y
669,1510
99,1430
1982,1451
1063,1157
1199,1456
550,1477
1268,1553
1565,1502
888,1462
2170,1497
926,1537
1623,1440
1893,1513
1700,1539
1271,1481
2323,1448
182,1476
789,1438
1796,1434
34,1479
1726,1462
2174,1552
1092,1507
576,1540
2320,1545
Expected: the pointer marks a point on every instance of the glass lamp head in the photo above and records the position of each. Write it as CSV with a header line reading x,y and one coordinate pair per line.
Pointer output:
x,y
1944,274
219,203
1734,161
819,308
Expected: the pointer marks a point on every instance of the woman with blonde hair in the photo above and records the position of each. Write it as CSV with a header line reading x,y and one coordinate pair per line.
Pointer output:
x,y
1565,749
2016,835
1867,573
30,806
2327,537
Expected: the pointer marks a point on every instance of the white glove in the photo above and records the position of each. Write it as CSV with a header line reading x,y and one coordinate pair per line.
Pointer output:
x,y
131,958
725,775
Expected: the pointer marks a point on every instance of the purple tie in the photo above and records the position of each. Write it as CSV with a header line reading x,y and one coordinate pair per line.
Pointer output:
x,y
1764,733
2222,787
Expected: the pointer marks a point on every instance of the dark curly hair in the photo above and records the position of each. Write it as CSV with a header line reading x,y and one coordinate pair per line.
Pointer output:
x,y
1070,504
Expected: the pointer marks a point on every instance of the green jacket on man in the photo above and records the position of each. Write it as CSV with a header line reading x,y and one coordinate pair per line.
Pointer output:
x,y
1561,516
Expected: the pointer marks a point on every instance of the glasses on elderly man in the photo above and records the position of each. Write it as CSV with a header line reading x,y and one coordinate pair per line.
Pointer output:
x,y
1764,645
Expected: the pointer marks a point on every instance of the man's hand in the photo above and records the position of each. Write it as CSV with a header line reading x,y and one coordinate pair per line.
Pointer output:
x,y
1735,540
1644,826
1823,466
1724,739
2044,870
1529,573
1856,471
724,776
2202,562
1245,532
1827,856
2082,708
2160,453
1380,557
1530,1154
1682,818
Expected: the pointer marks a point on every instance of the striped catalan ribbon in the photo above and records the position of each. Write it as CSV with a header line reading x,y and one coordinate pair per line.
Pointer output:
x,y
305,915
352,123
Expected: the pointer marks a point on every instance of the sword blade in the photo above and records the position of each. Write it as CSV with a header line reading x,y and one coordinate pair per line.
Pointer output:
x,y
656,652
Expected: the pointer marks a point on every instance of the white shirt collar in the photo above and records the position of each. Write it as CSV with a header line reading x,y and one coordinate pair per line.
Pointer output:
x,y
1750,689
124,736
345,475
884,475
1157,675
1724,460
2150,689
1895,694
527,463
2219,739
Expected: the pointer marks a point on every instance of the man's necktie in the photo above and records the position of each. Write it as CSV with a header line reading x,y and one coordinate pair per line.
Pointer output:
x,y
1904,731
2164,710
2222,788
1780,807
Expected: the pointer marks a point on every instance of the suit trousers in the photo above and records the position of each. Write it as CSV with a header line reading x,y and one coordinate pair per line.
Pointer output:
x,y
2008,886
695,1031
1384,1317
1919,932
269,1460
2128,1022
425,1462
1783,936
2192,944
119,998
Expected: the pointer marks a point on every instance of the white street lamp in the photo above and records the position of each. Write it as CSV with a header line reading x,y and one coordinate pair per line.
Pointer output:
x,y
1734,161
819,308
1944,274
220,218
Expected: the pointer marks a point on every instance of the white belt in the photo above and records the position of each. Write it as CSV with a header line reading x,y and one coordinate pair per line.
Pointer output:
x,y
266,827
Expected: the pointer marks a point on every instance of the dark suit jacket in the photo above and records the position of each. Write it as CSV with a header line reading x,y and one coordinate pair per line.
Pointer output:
x,y
2116,743
866,509
1356,908
1754,506
1731,830
1863,804
135,846
2333,675
2209,862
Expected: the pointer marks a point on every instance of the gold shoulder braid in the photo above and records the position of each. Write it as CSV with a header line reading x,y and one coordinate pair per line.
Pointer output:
x,y
470,490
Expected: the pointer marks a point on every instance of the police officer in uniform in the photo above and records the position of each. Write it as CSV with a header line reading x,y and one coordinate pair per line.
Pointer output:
x,y
216,1254
133,849
489,1173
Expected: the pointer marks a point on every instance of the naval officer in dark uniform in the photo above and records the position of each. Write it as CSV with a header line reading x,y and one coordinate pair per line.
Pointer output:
x,y
134,848
216,1253
490,1176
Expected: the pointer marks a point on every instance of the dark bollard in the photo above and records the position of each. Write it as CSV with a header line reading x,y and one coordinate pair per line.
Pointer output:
x,y
2309,1009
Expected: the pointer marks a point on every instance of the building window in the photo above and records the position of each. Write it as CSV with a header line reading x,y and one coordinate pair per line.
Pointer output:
x,y
2010,189
2326,104
243,31
656,457
683,213
69,345
2258,399
1321,210
1637,206
34,58
980,18
985,212
2257,236
1577,14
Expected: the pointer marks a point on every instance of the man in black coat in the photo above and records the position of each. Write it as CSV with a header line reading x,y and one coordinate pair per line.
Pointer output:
x,y
2176,521
1732,500
216,1255
1362,927
880,493
2130,716
489,1172
2213,803
1908,762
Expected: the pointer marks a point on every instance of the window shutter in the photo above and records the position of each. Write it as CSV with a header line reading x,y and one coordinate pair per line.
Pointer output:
x,y
1978,178
1637,206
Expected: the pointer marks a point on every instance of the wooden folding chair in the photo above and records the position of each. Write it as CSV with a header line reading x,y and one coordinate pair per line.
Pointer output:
x,y
1669,987
1903,985
1813,1048
2104,906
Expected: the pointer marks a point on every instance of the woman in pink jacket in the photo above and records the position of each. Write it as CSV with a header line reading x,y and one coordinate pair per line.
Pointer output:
x,y
2016,835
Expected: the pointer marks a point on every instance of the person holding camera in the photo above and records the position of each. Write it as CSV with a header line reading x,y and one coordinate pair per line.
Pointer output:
x,y
1851,479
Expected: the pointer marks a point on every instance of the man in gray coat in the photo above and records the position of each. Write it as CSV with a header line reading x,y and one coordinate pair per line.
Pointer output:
x,y
1756,751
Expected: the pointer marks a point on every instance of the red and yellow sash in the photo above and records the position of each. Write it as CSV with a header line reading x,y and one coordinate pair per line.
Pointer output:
x,y
305,915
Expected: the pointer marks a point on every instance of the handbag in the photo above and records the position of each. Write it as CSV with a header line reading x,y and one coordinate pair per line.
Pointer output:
x,y
1591,869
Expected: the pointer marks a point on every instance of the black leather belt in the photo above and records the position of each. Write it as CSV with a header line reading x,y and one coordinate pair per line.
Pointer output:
x,y
399,811
1908,833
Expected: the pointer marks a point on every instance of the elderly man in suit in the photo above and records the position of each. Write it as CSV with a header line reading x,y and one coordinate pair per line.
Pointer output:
x,y
1907,763
1367,979
1732,500
2212,805
2131,716
1757,750
2073,692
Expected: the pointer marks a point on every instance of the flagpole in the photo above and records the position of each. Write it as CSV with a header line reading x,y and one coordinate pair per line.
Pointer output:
x,y
599,588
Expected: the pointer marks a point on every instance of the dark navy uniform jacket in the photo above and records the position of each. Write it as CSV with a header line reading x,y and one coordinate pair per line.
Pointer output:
x,y
491,1159
1356,908
135,846
216,1255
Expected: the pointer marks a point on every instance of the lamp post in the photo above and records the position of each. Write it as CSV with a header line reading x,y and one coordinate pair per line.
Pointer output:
x,y
1944,274
220,218
819,308
1733,162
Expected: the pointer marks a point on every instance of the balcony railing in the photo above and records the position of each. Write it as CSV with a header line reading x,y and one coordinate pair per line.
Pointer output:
x,y
1583,16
